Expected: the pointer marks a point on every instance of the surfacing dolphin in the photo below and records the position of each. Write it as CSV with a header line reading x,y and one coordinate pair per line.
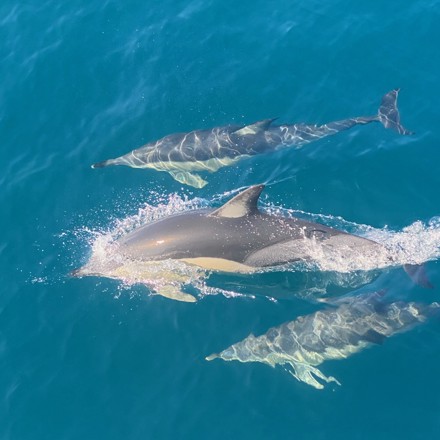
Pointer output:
x,y
184,154
329,334
238,237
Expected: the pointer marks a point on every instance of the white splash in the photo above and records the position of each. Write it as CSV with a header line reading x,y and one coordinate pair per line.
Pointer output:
x,y
417,243
168,277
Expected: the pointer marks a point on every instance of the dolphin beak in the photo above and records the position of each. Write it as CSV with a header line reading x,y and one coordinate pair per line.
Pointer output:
x,y
227,355
76,273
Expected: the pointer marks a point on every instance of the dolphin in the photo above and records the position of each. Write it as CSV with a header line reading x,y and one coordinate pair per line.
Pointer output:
x,y
182,155
329,334
239,237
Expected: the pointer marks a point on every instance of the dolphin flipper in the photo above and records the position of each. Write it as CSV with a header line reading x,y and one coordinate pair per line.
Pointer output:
x,y
173,292
306,373
188,178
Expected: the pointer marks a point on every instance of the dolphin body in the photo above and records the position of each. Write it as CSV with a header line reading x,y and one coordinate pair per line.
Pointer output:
x,y
330,334
182,155
237,237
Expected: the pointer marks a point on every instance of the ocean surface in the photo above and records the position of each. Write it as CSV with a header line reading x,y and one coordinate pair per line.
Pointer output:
x,y
98,358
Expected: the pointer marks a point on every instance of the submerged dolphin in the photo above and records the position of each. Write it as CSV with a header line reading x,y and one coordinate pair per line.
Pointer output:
x,y
182,154
327,335
238,237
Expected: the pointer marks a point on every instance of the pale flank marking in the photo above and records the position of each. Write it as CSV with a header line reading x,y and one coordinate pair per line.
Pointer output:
x,y
210,165
219,264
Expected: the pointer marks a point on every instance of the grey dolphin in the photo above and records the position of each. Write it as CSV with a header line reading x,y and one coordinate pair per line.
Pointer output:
x,y
238,237
329,334
184,154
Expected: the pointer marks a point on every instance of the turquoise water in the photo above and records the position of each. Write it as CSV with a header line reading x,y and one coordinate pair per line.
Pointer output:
x,y
84,81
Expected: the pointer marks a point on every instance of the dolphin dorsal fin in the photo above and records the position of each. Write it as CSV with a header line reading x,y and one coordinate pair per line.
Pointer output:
x,y
241,205
255,127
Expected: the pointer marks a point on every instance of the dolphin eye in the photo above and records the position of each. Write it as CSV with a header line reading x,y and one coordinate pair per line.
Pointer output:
x,y
317,234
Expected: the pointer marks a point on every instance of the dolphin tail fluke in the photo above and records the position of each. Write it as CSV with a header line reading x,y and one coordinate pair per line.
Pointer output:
x,y
389,115
417,273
